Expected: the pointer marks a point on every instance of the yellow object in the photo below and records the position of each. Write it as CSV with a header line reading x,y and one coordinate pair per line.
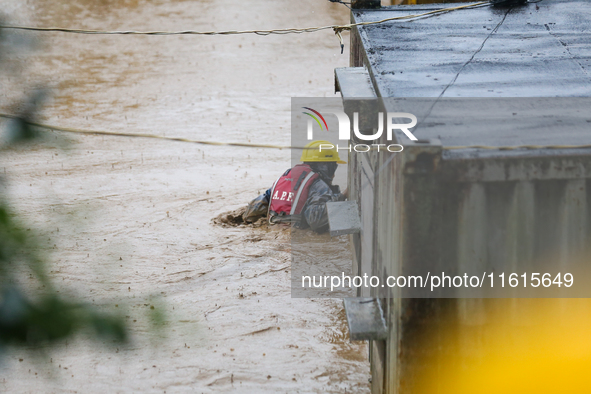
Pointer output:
x,y
317,151
528,346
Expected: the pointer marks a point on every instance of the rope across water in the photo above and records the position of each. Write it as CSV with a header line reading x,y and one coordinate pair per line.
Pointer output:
x,y
338,29
261,146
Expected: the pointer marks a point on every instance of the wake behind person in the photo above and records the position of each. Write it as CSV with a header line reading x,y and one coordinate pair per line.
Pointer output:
x,y
299,196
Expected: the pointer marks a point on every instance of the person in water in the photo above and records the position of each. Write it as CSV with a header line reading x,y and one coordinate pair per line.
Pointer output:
x,y
299,196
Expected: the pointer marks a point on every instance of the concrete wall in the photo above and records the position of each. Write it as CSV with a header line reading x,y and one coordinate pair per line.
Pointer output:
x,y
419,210
425,209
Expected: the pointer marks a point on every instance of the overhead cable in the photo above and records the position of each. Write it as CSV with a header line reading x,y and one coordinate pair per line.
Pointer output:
x,y
336,28
262,146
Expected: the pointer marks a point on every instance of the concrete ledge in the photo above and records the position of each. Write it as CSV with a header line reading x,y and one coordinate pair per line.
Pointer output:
x,y
365,319
343,218
353,82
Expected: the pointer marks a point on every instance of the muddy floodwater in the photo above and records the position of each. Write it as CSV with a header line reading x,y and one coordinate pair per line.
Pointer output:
x,y
127,222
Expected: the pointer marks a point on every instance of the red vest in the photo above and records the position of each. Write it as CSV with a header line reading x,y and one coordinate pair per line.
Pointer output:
x,y
290,192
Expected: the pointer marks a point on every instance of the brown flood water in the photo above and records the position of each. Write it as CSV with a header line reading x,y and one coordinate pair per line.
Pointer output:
x,y
134,216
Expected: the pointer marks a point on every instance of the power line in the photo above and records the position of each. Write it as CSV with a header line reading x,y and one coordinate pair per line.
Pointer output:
x,y
234,32
142,135
336,28
263,146
346,4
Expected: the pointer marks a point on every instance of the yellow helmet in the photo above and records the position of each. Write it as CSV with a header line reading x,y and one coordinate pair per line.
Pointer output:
x,y
314,152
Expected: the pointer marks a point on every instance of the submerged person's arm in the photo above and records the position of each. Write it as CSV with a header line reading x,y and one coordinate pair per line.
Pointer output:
x,y
315,209
257,208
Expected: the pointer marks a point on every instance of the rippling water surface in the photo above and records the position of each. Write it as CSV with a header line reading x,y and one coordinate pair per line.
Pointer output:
x,y
134,215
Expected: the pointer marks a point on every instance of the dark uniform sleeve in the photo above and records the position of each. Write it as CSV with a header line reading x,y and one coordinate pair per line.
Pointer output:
x,y
314,211
267,195
259,207
256,209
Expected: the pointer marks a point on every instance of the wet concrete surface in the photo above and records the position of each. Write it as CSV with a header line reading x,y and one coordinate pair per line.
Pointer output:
x,y
134,216
540,49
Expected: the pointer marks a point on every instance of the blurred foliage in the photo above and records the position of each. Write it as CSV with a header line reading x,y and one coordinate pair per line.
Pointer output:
x,y
21,130
31,314
36,320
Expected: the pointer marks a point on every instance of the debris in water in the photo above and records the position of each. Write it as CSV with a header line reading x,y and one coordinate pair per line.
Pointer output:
x,y
234,218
